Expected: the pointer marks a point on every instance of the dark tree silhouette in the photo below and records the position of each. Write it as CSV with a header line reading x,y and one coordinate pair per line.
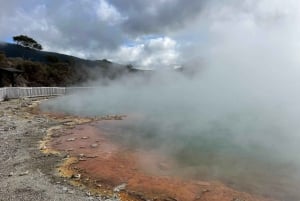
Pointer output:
x,y
27,42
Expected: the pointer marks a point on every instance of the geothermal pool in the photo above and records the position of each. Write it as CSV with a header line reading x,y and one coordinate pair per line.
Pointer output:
x,y
181,159
195,130
212,156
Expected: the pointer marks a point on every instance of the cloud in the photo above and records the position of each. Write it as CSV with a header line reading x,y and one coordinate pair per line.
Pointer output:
x,y
108,13
65,25
161,16
93,27
153,53
104,28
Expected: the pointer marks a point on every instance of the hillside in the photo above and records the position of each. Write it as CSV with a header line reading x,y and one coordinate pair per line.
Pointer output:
x,y
43,68
14,51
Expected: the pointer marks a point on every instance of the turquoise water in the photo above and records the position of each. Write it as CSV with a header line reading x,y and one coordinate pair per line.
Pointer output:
x,y
215,154
248,140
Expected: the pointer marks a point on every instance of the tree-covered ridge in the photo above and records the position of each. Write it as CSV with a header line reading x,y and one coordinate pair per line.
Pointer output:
x,y
42,68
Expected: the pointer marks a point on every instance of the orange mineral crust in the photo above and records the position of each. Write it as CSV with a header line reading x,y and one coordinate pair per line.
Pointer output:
x,y
147,174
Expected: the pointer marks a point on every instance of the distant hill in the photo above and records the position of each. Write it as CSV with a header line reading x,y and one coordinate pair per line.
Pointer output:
x,y
17,51
54,69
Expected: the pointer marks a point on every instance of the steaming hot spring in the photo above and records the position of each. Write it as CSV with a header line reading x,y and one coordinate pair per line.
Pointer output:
x,y
183,141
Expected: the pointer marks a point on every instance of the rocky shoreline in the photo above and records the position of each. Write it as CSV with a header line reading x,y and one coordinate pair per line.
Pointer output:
x,y
26,173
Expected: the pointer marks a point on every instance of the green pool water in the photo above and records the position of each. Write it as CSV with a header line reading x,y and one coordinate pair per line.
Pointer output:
x,y
216,153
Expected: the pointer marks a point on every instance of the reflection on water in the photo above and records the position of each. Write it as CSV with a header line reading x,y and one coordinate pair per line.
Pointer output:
x,y
215,154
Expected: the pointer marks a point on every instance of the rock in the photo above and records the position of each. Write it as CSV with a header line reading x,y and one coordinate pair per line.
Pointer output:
x,y
66,155
43,147
24,173
91,156
203,183
120,188
56,135
237,199
205,191
76,176
71,139
10,174
94,145
24,104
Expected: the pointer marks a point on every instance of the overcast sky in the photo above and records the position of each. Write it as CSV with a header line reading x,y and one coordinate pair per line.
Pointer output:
x,y
151,33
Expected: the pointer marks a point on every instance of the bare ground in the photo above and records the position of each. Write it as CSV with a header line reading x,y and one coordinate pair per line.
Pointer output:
x,y
25,172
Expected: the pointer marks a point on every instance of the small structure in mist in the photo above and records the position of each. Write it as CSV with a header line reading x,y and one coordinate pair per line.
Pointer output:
x,y
8,76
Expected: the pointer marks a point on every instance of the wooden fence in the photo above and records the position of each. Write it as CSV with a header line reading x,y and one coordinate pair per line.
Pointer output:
x,y
22,92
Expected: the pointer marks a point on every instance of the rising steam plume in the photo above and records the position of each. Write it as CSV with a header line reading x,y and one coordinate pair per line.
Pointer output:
x,y
237,120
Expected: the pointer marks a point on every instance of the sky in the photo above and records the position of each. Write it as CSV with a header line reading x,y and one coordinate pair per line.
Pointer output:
x,y
151,33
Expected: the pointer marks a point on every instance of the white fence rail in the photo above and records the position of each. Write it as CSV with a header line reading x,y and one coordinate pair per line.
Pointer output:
x,y
2,93
20,92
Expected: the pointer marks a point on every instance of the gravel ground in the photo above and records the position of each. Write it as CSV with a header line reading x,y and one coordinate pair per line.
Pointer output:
x,y
25,172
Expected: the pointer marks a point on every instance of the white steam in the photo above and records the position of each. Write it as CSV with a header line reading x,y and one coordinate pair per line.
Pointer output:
x,y
238,117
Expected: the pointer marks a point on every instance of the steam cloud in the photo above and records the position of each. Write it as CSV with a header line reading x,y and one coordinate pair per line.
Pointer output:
x,y
238,118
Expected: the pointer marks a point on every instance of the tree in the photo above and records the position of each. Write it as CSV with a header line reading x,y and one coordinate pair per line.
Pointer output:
x,y
27,42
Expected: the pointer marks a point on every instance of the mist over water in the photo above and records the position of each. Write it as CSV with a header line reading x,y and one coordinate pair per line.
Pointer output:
x,y
237,126
235,120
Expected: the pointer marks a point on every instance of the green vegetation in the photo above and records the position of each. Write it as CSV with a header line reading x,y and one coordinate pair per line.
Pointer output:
x,y
40,74
41,68
37,73
27,42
